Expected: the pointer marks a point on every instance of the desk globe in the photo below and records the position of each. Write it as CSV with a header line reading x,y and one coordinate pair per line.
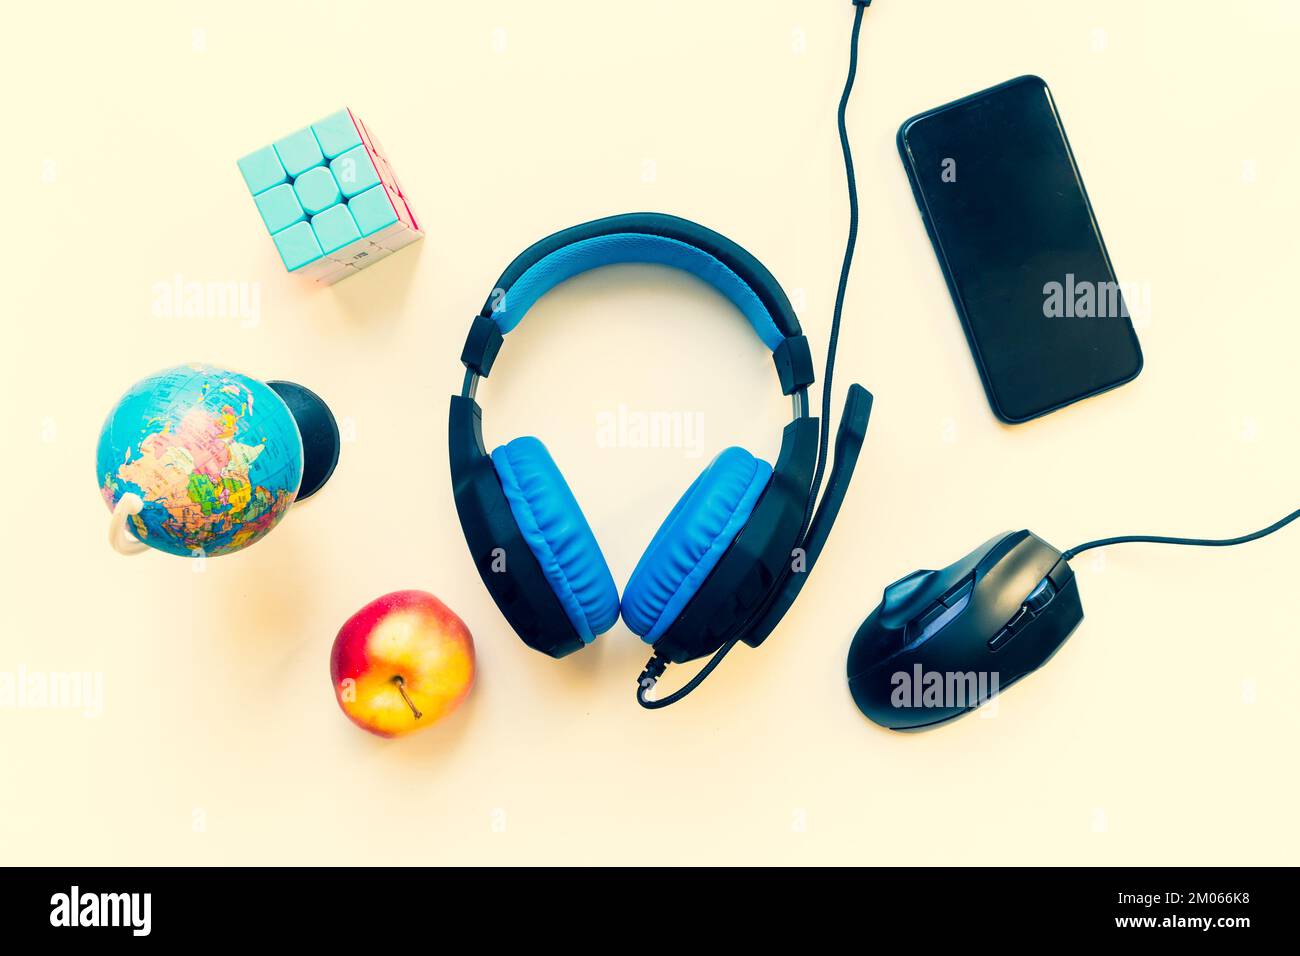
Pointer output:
x,y
216,457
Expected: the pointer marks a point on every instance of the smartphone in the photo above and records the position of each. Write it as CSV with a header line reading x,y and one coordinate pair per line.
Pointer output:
x,y
1003,201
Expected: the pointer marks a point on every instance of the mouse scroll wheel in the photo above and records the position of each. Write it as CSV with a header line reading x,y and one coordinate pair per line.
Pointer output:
x,y
1040,596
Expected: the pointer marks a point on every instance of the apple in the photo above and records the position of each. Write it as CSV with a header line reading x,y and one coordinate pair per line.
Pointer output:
x,y
402,662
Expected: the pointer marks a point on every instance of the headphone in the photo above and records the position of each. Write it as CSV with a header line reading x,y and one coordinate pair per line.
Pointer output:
x,y
733,553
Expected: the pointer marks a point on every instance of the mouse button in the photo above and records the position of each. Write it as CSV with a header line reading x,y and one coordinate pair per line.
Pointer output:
x,y
1001,638
898,593
1036,601
977,560
994,550
935,618
1012,628
872,644
1018,572
960,593
927,622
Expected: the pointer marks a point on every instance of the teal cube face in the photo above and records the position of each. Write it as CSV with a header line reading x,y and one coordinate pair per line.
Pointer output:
x,y
373,210
298,246
329,198
279,207
299,152
336,133
355,171
317,190
335,228
262,169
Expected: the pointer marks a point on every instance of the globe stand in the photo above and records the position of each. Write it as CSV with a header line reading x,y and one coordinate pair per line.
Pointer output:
x,y
320,435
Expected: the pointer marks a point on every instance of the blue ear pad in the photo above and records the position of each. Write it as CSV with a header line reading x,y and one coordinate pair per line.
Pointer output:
x,y
692,538
559,536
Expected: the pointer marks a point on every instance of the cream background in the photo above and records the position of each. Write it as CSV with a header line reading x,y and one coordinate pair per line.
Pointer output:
x,y
1165,730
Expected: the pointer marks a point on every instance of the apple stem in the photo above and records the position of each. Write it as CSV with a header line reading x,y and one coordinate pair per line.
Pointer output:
x,y
401,689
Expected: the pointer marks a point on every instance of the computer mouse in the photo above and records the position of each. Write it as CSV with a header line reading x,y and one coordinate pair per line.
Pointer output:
x,y
942,642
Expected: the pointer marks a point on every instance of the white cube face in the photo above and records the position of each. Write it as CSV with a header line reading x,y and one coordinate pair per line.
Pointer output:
x,y
402,239
373,255
339,273
359,254
350,253
375,144
385,237
386,174
351,259
318,269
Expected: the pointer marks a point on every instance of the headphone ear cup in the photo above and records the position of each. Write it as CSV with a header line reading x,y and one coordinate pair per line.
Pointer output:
x,y
558,534
691,540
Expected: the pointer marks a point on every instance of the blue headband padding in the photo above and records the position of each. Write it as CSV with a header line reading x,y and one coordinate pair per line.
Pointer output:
x,y
731,254
629,247
691,541
557,533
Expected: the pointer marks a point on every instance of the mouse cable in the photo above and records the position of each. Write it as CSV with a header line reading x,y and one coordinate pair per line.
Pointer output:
x,y
1193,542
655,667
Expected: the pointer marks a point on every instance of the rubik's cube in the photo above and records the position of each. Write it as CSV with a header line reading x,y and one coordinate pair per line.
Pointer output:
x,y
329,198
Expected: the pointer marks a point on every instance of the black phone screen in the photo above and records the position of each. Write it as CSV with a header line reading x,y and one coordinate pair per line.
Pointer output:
x,y
1010,221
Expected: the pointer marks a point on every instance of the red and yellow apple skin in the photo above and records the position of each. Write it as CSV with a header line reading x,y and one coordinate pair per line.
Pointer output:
x,y
402,662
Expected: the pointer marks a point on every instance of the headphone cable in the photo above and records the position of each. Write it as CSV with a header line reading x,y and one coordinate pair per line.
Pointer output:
x,y
1191,542
657,665
823,448
655,668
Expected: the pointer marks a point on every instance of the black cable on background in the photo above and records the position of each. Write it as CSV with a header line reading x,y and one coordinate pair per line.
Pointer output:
x,y
656,666
1191,542
824,441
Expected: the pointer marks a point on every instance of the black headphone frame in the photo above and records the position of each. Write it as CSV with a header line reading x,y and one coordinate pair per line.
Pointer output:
x,y
747,576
